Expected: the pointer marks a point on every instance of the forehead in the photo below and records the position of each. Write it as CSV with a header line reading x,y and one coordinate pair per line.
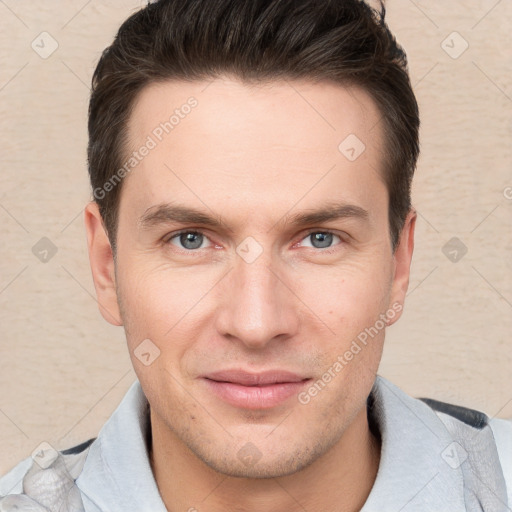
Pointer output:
x,y
328,111
273,140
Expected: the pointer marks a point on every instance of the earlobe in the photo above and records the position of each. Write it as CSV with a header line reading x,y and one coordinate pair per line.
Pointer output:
x,y
402,263
102,265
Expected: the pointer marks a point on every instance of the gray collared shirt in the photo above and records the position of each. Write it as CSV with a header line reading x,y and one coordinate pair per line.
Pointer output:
x,y
423,466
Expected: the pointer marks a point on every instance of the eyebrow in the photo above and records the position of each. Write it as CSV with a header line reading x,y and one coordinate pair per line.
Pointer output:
x,y
172,213
167,213
329,212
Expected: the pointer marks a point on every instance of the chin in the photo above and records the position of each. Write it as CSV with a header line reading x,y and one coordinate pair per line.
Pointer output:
x,y
251,462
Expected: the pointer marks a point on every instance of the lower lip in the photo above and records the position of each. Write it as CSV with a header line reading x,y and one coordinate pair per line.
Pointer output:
x,y
255,397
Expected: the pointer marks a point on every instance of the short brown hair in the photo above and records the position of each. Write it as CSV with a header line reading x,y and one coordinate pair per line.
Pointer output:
x,y
345,41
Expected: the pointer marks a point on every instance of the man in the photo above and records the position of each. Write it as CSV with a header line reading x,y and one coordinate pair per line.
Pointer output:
x,y
252,231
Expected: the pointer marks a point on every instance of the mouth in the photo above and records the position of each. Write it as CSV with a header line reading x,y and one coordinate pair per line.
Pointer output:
x,y
255,390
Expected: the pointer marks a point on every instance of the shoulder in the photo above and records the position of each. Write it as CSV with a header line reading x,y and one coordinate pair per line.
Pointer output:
x,y
11,482
479,433
502,431
43,471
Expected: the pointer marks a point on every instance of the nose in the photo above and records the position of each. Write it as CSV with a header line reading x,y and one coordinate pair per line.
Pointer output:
x,y
259,305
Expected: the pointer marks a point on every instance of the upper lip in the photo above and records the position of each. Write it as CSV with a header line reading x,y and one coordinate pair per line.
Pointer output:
x,y
244,378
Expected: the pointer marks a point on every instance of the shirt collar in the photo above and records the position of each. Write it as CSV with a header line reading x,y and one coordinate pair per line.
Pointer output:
x,y
412,474
117,474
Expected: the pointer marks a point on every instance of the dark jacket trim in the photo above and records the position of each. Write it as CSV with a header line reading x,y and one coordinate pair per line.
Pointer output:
x,y
78,448
471,417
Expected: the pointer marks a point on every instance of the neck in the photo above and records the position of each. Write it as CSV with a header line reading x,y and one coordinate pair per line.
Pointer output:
x,y
340,480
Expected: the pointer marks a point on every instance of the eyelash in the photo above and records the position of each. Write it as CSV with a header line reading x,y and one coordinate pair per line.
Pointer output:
x,y
328,250
172,236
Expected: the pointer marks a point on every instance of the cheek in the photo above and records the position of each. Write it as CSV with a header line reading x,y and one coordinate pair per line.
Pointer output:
x,y
158,305
155,299
349,297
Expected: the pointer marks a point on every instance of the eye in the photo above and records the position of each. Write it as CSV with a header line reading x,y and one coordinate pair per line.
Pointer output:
x,y
321,239
188,240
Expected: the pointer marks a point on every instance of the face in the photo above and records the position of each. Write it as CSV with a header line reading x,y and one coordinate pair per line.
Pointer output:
x,y
254,254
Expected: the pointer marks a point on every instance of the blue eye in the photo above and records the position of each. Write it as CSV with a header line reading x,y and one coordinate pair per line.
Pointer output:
x,y
321,239
189,240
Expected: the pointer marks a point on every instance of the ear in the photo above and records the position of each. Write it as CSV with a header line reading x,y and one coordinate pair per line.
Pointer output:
x,y
102,264
402,264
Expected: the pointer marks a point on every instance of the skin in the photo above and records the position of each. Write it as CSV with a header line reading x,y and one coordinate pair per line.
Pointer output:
x,y
254,156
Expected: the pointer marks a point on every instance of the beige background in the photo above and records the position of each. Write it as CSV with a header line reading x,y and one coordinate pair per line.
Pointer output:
x,y
63,369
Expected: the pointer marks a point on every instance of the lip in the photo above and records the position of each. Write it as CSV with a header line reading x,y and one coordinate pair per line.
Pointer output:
x,y
261,390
